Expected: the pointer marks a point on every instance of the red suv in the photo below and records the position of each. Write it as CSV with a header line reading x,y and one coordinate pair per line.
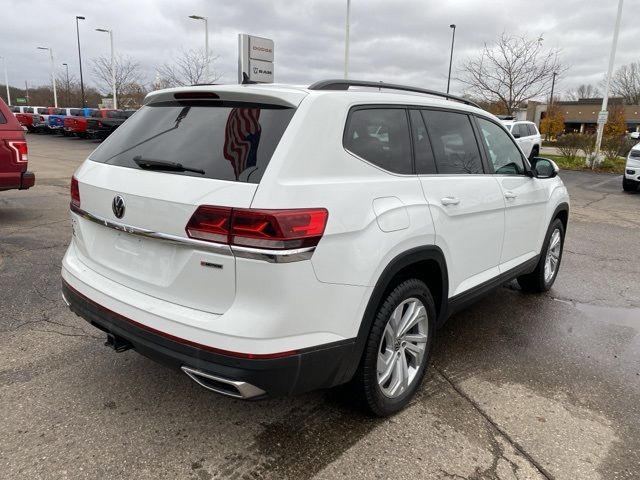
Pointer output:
x,y
13,153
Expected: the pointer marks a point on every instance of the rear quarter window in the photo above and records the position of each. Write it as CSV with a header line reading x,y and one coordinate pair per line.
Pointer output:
x,y
227,141
381,137
3,119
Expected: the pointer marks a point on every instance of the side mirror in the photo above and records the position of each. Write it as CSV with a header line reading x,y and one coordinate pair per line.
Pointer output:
x,y
544,167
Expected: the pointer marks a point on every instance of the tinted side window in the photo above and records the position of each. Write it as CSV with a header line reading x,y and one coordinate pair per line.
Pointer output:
x,y
532,129
77,112
28,110
503,153
454,143
425,163
15,109
380,136
2,118
517,132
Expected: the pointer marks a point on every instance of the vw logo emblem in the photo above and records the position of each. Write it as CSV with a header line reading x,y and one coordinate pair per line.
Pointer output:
x,y
118,206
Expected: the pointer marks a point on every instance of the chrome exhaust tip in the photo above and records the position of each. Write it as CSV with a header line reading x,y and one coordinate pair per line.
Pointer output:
x,y
224,386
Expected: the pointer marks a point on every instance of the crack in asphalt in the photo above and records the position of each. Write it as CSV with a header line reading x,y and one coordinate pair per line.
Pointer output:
x,y
588,204
542,470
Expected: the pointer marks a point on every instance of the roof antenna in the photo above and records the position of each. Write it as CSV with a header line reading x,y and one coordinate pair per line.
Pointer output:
x,y
245,79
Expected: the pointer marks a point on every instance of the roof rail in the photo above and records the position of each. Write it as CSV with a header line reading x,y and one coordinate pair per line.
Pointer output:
x,y
345,84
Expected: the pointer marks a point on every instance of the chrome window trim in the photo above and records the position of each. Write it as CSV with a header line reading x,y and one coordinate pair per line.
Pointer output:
x,y
271,256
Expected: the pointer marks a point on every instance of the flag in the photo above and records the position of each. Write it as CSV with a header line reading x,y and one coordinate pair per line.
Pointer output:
x,y
241,139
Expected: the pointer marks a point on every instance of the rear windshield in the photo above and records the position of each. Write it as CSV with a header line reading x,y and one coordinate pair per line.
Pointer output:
x,y
227,141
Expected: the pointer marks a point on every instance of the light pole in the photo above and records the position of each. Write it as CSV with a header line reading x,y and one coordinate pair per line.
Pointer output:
x,y
602,119
84,103
113,66
53,75
453,39
6,80
346,41
66,65
206,44
553,85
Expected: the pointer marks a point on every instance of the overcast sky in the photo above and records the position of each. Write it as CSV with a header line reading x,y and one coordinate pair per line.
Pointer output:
x,y
391,40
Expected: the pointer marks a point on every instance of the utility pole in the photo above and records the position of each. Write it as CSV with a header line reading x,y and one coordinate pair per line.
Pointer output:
x,y
346,42
53,75
206,44
6,80
113,66
84,103
453,39
66,65
603,115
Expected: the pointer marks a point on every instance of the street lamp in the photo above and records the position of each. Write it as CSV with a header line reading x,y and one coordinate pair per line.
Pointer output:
x,y
206,44
66,65
53,75
346,41
113,66
84,103
453,39
6,80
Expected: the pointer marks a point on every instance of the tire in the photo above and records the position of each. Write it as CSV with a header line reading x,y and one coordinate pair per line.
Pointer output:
x,y
391,395
535,151
629,185
538,281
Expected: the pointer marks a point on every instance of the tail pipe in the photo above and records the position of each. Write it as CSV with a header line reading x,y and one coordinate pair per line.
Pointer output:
x,y
224,386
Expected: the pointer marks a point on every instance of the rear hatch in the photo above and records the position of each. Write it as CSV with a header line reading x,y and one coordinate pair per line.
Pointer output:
x,y
148,178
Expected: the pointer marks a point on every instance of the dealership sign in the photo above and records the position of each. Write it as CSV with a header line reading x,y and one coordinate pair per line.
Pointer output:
x,y
255,59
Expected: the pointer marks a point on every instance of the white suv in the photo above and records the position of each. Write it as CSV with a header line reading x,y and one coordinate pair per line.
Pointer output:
x,y
271,239
631,177
526,135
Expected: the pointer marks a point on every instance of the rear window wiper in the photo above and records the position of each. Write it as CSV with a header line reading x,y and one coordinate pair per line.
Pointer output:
x,y
162,165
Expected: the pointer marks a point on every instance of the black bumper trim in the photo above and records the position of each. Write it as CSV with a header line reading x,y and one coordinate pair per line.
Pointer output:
x,y
308,369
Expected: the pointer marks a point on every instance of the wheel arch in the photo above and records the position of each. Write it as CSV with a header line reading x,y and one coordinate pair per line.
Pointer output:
x,y
424,263
561,212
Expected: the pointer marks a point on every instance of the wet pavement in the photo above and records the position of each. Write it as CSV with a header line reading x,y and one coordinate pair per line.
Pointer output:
x,y
520,386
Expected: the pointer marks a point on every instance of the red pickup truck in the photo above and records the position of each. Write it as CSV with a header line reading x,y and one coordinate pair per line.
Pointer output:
x,y
13,153
78,125
26,116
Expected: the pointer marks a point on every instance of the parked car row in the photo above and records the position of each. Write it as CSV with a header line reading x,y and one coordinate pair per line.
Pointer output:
x,y
82,122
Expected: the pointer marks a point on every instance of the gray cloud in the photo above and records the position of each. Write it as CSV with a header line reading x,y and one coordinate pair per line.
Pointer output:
x,y
396,41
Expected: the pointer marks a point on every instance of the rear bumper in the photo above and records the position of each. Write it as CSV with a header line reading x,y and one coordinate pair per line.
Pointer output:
x,y
27,180
289,373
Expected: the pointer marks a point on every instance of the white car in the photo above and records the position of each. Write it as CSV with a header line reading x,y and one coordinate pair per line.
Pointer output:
x,y
271,240
631,177
526,135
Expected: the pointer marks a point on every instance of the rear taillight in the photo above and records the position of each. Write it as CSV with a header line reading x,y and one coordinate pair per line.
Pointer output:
x,y
210,224
75,192
267,229
20,149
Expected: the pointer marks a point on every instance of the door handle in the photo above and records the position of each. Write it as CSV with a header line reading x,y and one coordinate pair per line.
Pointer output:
x,y
510,195
450,201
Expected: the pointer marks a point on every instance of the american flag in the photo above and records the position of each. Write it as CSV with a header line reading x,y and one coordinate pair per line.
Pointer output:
x,y
241,138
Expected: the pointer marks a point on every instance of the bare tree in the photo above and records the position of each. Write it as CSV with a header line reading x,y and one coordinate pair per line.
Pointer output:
x,y
625,83
187,68
511,71
127,73
583,91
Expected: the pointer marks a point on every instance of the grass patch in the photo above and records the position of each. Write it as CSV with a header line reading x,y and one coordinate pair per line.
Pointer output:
x,y
607,166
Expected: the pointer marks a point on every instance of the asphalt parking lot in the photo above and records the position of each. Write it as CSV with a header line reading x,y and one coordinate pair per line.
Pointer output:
x,y
521,386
